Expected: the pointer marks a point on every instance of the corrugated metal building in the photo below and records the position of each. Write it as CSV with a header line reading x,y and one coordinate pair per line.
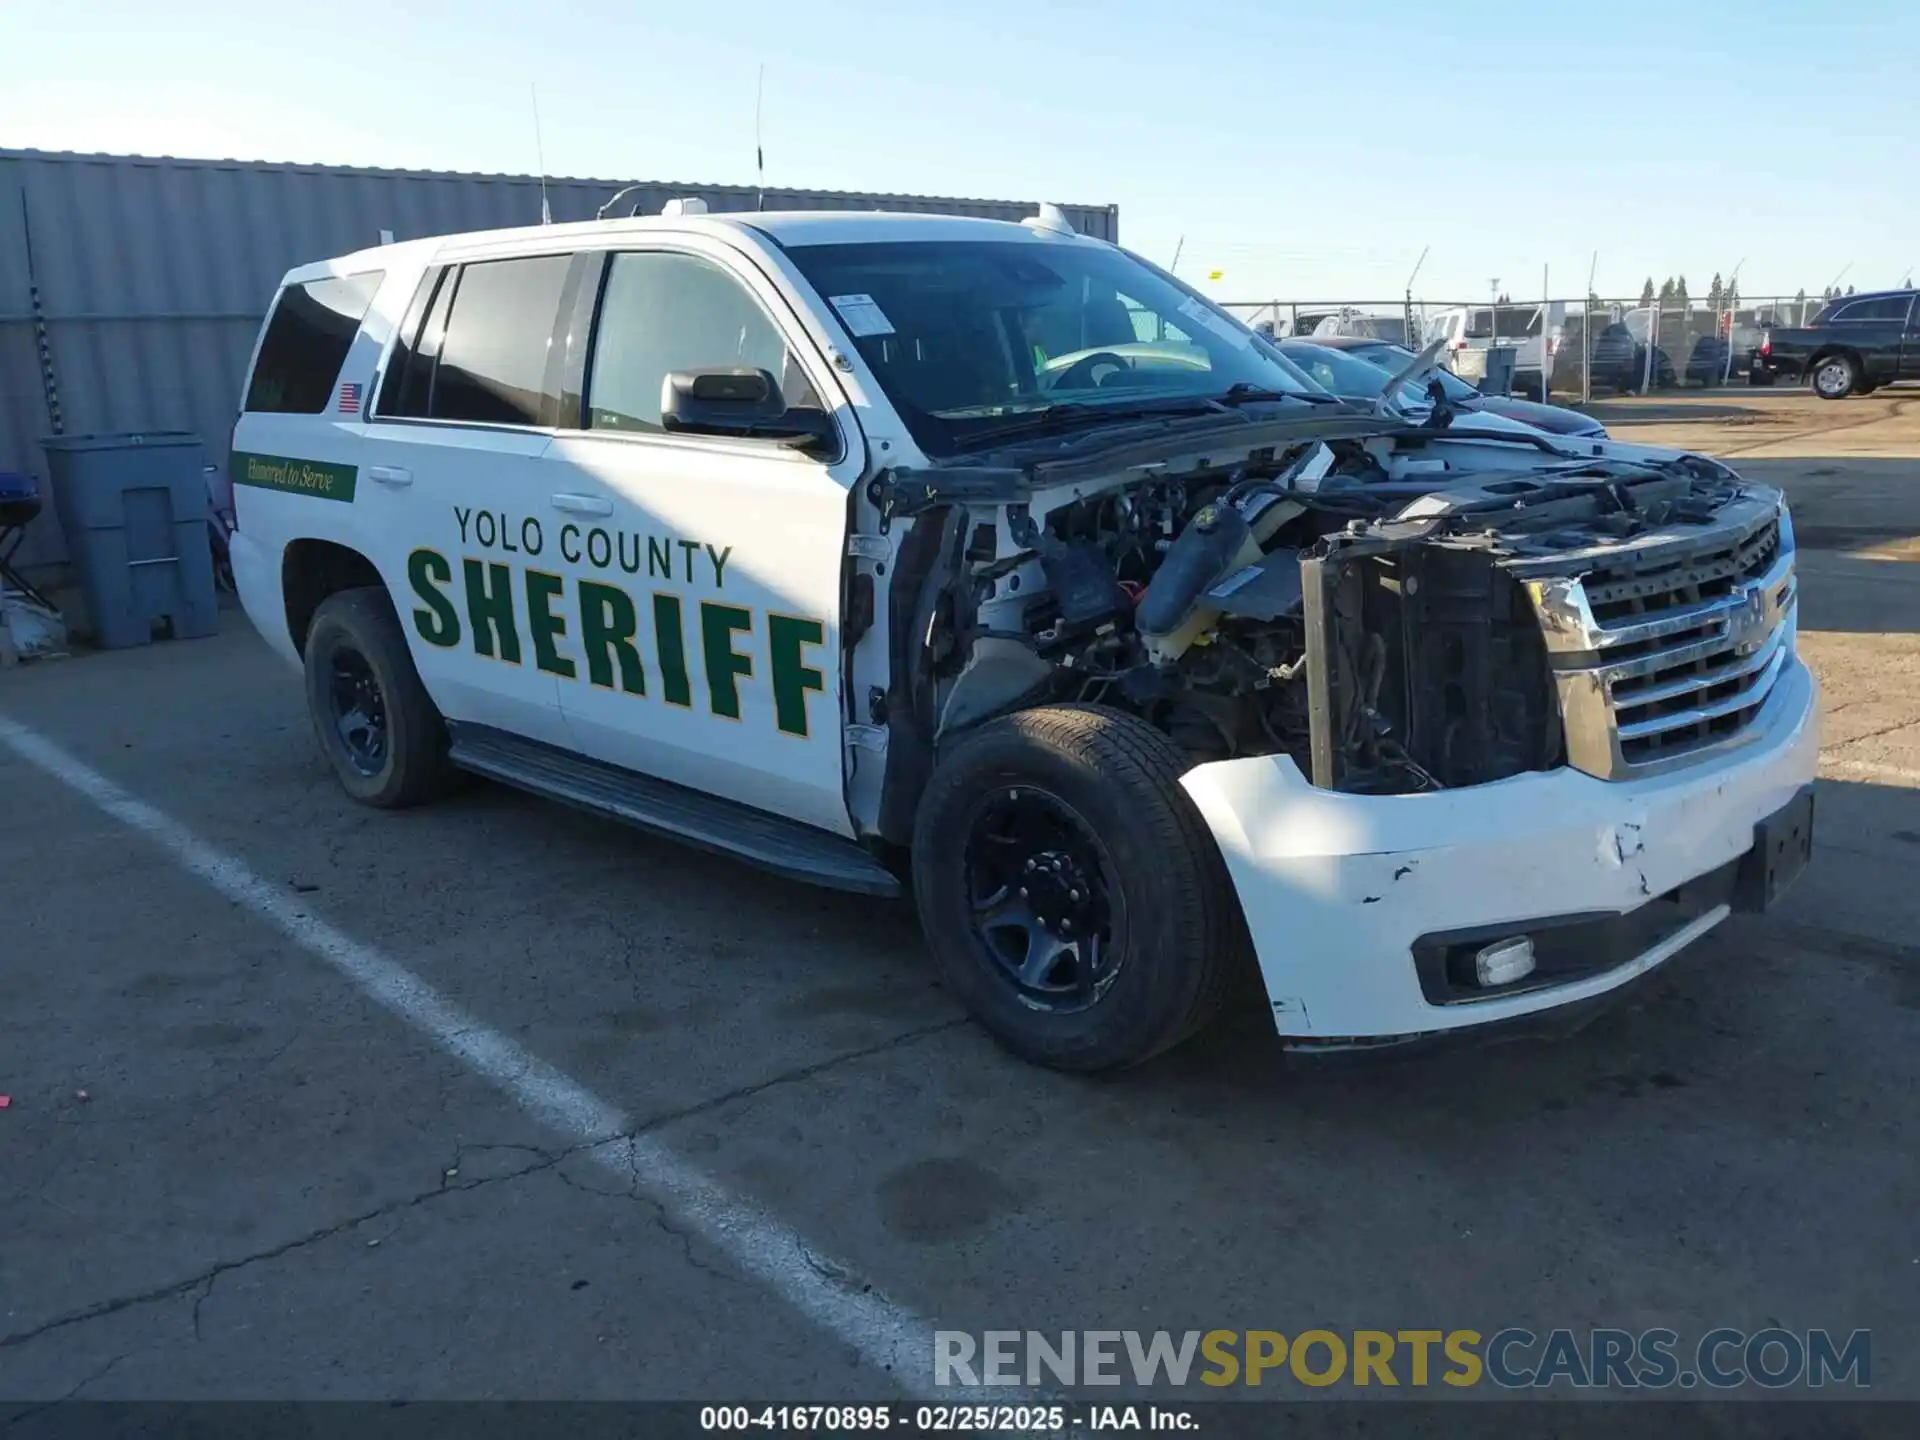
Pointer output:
x,y
152,273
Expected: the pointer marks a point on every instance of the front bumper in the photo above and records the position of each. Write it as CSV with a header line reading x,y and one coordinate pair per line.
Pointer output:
x,y
1341,891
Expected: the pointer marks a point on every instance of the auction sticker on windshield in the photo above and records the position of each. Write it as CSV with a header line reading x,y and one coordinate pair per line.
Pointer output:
x,y
1220,326
862,314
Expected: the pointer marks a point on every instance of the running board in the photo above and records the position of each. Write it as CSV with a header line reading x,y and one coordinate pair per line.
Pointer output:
x,y
782,846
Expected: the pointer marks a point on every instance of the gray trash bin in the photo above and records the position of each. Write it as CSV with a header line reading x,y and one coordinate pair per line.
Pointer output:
x,y
1499,377
134,510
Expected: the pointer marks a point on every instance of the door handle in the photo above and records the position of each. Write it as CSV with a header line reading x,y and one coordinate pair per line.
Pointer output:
x,y
390,475
583,504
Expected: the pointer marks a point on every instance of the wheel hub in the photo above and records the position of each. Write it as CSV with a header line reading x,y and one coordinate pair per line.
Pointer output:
x,y
1038,890
359,711
1058,893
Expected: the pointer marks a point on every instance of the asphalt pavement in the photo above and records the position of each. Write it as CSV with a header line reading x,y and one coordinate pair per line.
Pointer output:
x,y
493,1099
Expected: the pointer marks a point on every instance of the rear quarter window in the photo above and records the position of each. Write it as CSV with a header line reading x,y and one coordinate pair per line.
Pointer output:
x,y
1513,323
307,339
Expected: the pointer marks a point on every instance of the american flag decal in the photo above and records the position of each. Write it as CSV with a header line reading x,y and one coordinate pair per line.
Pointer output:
x,y
350,398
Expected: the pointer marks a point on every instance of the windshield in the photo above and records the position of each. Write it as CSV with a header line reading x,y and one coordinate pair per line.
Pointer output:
x,y
964,334
1345,373
1393,357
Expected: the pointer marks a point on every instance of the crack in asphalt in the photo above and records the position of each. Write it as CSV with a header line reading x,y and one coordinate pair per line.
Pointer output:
x,y
20,1417
548,1160
1906,724
207,1278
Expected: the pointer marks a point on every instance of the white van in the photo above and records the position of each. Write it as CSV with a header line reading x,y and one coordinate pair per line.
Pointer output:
x,y
991,562
1468,332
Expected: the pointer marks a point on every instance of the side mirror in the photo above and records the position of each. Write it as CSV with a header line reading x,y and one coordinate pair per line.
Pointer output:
x,y
741,401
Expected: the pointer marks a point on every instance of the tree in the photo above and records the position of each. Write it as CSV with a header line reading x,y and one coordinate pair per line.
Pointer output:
x,y
1680,293
1666,292
1646,292
1716,292
1801,297
1849,289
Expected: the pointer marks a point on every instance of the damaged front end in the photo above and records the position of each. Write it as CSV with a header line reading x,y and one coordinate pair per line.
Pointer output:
x,y
1394,609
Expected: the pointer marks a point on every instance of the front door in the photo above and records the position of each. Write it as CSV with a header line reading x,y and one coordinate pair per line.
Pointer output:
x,y
702,575
454,493
1910,351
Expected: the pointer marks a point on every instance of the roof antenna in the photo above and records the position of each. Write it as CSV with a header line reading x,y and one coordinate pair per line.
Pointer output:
x,y
759,151
540,153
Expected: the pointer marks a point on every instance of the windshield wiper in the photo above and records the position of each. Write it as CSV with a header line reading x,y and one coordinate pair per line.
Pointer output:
x,y
1245,392
1065,414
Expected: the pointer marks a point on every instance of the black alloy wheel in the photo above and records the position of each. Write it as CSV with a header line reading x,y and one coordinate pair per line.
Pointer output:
x,y
358,710
1041,892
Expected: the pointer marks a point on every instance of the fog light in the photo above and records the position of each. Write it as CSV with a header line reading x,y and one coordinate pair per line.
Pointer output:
x,y
1504,961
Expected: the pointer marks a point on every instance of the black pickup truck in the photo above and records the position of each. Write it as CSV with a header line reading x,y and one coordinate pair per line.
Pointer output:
x,y
1853,346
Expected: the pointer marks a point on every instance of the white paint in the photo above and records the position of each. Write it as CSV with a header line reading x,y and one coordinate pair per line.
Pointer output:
x,y
1336,888
884,1335
1868,770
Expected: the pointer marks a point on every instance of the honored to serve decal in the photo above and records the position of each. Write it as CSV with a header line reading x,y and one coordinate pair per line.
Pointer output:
x,y
316,478
624,617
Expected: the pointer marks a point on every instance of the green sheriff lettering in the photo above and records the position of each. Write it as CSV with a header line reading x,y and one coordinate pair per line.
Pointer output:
x,y
593,632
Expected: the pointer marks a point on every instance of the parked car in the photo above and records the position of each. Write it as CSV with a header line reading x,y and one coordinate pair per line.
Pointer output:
x,y
1554,419
1356,323
1710,363
1853,346
1617,361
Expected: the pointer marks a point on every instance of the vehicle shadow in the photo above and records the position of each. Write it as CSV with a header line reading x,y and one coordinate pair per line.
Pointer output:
x,y
1762,1005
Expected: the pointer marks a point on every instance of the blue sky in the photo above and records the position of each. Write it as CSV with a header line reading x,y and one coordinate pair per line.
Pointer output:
x,y
1302,150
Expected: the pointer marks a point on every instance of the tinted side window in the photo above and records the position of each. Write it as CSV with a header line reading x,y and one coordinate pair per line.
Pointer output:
x,y
493,359
307,340
1893,307
662,312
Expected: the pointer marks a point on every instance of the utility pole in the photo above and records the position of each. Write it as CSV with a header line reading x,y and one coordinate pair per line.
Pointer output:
x,y
1546,351
1586,335
1411,338
1726,295
1493,320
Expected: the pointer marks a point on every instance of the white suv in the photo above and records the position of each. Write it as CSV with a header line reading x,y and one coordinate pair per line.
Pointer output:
x,y
990,561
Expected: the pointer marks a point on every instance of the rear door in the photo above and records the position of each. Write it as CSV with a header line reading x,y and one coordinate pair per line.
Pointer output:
x,y
703,575
1910,350
456,515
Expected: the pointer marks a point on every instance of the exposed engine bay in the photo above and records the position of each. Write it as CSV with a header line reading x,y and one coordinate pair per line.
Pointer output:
x,y
1366,603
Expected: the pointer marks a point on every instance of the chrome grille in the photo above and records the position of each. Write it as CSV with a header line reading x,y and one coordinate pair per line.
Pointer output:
x,y
1669,652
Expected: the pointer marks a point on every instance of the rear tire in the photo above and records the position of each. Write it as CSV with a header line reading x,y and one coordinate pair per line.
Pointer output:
x,y
1129,895
1834,377
377,726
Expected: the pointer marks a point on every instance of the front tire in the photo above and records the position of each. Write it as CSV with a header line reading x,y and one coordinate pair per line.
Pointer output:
x,y
1072,896
1834,377
377,726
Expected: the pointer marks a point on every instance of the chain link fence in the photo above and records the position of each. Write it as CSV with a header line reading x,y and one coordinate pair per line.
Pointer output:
x,y
1564,349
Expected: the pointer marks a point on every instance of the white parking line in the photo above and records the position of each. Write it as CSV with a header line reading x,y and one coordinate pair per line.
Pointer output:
x,y
886,1336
